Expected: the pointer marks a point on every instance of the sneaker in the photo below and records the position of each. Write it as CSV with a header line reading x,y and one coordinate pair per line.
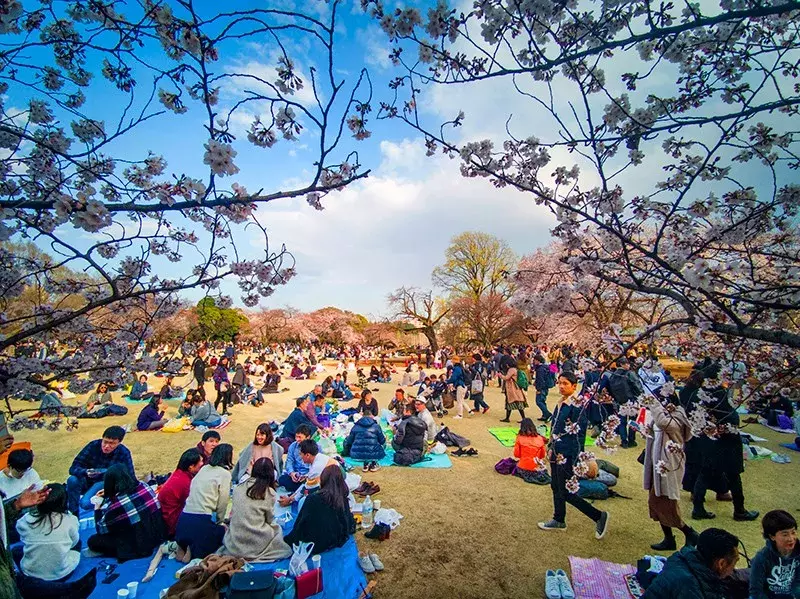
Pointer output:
x,y
485,410
472,451
458,452
564,585
365,467
373,490
602,526
361,488
551,588
376,562
470,413
374,467
366,564
457,417
553,525
745,516
703,515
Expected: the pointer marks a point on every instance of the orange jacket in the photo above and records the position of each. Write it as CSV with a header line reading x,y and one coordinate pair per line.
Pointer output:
x,y
527,449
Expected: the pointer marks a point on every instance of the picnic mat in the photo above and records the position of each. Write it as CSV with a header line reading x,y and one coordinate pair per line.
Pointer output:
x,y
777,429
595,579
341,575
507,435
140,402
791,446
429,461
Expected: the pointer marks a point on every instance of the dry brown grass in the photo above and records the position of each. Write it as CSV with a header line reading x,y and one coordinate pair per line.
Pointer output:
x,y
468,532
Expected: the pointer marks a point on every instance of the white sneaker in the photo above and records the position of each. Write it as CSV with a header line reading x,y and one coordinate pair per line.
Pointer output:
x,y
366,564
376,562
564,585
458,417
552,590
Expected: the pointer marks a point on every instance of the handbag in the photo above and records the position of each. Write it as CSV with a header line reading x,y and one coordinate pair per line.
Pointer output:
x,y
259,584
309,584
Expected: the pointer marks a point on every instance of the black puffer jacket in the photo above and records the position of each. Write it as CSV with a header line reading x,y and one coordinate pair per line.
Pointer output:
x,y
410,433
685,576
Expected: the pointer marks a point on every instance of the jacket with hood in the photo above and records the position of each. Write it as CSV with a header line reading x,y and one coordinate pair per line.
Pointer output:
x,y
410,433
685,576
773,576
365,441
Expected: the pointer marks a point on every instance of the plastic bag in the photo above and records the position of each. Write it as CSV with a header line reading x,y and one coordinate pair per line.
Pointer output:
x,y
390,517
438,449
300,553
175,425
327,446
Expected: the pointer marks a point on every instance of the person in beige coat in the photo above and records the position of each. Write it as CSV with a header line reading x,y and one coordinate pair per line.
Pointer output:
x,y
664,463
253,533
515,397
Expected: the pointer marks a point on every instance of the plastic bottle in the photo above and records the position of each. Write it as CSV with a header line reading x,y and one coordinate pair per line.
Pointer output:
x,y
366,513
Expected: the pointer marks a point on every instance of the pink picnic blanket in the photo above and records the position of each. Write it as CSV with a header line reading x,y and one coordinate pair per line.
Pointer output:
x,y
595,579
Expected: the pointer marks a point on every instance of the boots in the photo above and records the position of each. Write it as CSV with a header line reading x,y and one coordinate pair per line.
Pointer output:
x,y
668,544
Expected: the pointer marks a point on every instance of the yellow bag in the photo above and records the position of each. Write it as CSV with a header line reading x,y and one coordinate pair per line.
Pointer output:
x,y
175,425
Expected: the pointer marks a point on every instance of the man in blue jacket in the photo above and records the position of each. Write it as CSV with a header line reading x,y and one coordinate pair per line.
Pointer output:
x,y
459,380
542,384
295,419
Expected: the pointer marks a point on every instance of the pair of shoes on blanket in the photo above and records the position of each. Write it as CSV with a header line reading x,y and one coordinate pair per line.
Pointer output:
x,y
462,452
557,585
366,488
370,563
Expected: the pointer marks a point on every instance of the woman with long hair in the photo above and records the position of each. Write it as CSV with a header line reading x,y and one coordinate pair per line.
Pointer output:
x,y
325,518
50,537
200,530
127,517
263,446
253,533
151,418
530,450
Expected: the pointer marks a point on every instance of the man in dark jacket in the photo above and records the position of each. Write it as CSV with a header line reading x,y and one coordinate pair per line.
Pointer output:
x,y
542,384
698,572
199,369
295,419
365,442
624,386
409,437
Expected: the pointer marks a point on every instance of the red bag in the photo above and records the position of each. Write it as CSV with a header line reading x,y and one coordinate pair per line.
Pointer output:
x,y
309,584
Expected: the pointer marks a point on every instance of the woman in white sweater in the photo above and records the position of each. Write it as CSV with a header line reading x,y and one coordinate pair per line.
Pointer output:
x,y
200,531
48,534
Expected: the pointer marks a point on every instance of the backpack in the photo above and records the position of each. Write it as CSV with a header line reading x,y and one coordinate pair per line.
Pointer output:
x,y
592,489
620,387
522,380
506,466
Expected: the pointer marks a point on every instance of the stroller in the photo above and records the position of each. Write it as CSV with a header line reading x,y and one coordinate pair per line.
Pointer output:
x,y
434,398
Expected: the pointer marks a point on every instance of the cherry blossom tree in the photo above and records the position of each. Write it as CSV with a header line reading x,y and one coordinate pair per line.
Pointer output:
x,y
665,143
84,86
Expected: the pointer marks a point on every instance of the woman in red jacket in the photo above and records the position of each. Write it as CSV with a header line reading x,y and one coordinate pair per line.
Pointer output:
x,y
173,493
530,449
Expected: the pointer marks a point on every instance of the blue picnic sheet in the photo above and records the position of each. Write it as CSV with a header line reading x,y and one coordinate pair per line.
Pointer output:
x,y
429,461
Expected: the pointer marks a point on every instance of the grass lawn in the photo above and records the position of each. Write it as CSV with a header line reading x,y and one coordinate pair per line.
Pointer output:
x,y
468,532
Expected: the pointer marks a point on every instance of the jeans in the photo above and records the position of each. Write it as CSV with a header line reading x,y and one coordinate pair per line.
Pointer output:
x,y
79,492
541,401
627,435
461,395
561,473
285,481
479,402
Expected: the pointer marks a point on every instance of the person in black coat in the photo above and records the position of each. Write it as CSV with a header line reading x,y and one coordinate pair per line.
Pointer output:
x,y
409,438
325,518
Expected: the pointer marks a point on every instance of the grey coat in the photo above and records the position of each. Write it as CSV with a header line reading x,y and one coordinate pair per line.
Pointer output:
x,y
253,533
247,454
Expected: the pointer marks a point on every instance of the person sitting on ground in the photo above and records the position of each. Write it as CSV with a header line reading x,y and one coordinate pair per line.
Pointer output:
x,y
50,538
89,466
168,391
51,403
200,529
253,533
775,570
100,404
529,449
367,402
263,446
19,474
314,406
397,404
374,374
208,442
325,518
296,470
340,389
317,462
272,381
777,405
295,419
173,494
409,438
297,372
385,376
203,413
139,390
127,517
698,571
185,409
151,418
361,379
365,442
425,415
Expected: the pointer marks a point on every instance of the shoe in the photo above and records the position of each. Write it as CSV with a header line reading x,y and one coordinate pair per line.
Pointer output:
x,y
553,525
633,444
551,588
376,562
703,515
564,585
365,467
724,496
484,410
374,467
624,445
543,419
472,451
366,564
602,526
470,413
668,544
373,490
386,532
360,489
458,452
457,417
374,532
504,420
745,516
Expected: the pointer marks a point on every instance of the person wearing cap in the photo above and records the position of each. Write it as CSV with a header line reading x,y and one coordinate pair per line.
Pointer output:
x,y
425,415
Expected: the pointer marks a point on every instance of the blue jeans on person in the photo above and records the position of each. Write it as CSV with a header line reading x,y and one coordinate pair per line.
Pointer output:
x,y
285,481
479,402
207,423
626,434
541,401
80,491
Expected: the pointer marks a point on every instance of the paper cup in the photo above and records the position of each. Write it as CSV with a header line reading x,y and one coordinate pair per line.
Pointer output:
x,y
133,588
316,562
122,594
376,505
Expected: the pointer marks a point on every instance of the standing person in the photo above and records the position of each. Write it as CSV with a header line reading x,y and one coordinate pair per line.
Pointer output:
x,y
200,530
566,443
624,386
128,517
222,385
664,463
480,377
173,494
90,465
515,396
775,570
458,379
542,385
199,366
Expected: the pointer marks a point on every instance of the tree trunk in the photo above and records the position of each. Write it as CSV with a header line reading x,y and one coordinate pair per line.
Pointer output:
x,y
430,334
